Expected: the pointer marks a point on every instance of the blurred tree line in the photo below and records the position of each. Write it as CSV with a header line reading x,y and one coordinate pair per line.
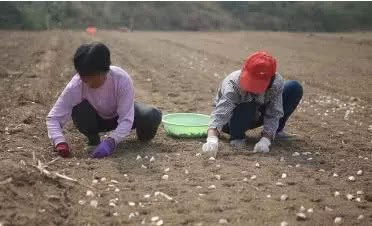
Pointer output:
x,y
194,16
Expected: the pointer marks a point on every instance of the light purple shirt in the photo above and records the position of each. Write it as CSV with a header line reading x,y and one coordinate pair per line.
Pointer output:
x,y
114,98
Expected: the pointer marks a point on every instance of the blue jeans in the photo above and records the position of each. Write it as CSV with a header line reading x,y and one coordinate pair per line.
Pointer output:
x,y
244,115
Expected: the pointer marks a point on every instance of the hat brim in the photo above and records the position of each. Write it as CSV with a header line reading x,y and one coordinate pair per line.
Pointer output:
x,y
249,83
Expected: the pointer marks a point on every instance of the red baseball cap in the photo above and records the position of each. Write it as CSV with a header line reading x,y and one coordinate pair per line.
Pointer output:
x,y
257,72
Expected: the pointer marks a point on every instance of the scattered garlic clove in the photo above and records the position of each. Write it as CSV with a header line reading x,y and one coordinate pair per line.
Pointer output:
x,y
358,199
335,175
284,175
328,209
211,159
94,181
82,202
117,190
218,177
112,204
298,165
336,193
114,181
186,171
138,157
301,216
310,210
144,167
282,159
131,215
360,217
279,184
268,196
351,178
166,170
257,165
152,159
360,172
222,221
159,223
93,203
131,203
155,218
115,214
338,220
284,223
146,196
245,179
360,192
295,154
103,179
90,193
302,209
212,187
283,197
165,177
198,154
349,196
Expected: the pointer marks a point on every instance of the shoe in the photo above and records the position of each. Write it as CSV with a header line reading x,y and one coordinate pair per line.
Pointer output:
x,y
238,143
285,136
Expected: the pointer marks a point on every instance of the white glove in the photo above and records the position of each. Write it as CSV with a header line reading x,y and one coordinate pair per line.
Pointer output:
x,y
211,147
263,145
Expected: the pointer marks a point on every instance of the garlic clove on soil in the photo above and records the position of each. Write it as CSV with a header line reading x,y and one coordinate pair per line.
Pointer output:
x,y
93,203
284,223
283,197
338,220
89,193
155,218
300,216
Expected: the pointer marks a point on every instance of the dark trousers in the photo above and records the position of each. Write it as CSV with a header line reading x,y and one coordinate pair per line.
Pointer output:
x,y
146,121
244,115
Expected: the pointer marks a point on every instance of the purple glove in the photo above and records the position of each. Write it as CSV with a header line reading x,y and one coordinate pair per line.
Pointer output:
x,y
105,148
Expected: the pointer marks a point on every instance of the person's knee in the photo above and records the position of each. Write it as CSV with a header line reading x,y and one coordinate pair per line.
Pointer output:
x,y
296,88
152,116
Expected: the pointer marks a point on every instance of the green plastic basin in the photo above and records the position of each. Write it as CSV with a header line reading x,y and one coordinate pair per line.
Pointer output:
x,y
186,125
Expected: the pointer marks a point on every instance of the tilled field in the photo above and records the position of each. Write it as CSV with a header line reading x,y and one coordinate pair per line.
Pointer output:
x,y
180,72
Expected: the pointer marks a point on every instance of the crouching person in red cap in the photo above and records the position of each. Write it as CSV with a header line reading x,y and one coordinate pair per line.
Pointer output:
x,y
254,96
100,98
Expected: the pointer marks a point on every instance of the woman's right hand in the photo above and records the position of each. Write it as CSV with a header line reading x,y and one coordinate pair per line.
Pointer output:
x,y
63,149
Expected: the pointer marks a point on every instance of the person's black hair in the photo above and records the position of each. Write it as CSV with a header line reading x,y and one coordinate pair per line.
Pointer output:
x,y
92,59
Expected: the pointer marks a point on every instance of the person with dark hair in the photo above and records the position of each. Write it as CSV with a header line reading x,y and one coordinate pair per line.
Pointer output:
x,y
249,98
100,98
